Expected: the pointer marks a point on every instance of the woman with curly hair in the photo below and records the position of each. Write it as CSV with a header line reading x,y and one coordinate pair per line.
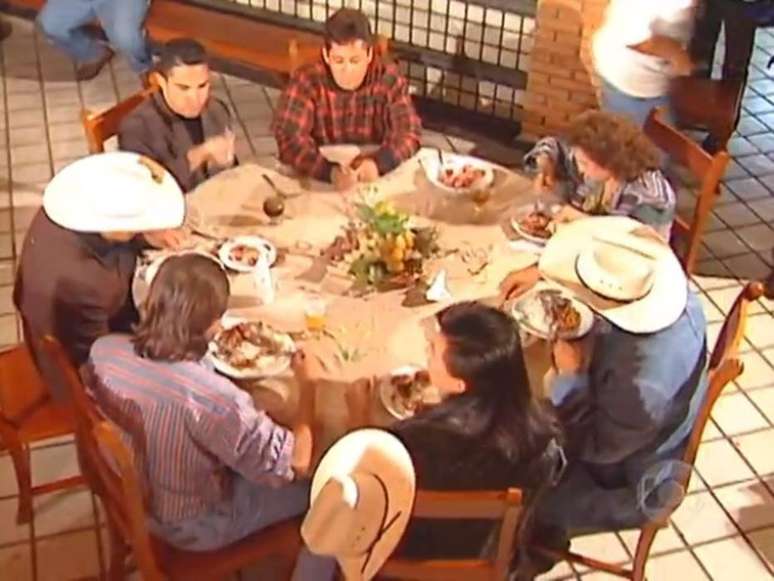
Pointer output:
x,y
605,165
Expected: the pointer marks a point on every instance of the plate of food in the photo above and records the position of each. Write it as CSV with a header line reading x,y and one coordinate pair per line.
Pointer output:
x,y
405,390
535,222
547,312
244,252
459,174
251,349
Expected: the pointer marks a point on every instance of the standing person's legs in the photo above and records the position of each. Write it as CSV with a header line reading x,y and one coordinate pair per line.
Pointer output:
x,y
705,37
740,40
62,22
635,108
124,25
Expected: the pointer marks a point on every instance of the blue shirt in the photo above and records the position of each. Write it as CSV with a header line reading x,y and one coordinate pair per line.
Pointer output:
x,y
641,395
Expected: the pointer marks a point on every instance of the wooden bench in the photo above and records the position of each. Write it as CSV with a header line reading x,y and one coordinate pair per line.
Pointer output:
x,y
243,41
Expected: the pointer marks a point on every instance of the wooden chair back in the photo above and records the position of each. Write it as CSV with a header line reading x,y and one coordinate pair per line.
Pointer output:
x,y
505,506
707,169
28,414
303,54
99,127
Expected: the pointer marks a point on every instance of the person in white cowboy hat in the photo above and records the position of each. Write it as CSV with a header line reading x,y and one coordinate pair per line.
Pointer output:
x,y
629,394
361,501
79,254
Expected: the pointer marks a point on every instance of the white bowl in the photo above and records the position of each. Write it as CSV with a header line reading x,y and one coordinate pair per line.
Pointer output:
x,y
276,366
386,391
261,244
433,169
528,312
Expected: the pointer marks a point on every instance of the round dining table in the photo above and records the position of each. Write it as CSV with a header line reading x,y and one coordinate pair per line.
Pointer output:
x,y
367,335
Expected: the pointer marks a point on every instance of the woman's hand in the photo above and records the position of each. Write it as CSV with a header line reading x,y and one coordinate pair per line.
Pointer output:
x,y
518,282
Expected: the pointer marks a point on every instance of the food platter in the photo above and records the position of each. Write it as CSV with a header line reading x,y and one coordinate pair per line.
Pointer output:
x,y
242,253
535,223
250,349
404,390
547,311
459,174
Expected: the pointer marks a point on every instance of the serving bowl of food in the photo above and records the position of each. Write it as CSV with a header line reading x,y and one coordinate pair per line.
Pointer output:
x,y
406,390
250,349
535,222
550,312
243,253
459,174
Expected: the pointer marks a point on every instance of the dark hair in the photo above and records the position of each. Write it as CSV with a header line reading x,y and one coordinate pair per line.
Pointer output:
x,y
180,51
348,25
188,294
498,406
614,143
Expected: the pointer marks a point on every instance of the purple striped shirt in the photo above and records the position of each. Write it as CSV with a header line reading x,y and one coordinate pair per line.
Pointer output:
x,y
191,430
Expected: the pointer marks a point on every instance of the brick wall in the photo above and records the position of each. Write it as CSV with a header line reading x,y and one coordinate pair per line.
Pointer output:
x,y
560,82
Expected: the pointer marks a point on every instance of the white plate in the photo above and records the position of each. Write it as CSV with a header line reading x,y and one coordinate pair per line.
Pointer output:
x,y
531,316
272,366
260,244
523,211
386,391
433,169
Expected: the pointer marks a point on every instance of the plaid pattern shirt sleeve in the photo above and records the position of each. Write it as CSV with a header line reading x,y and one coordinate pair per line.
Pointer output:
x,y
401,140
293,124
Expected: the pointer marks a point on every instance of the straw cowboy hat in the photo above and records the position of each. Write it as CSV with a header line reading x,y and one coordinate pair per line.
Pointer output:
x,y
114,192
361,501
621,269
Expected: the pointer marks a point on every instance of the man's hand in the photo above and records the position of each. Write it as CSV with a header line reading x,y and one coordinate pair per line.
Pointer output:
x,y
366,170
343,178
518,282
307,368
173,239
572,357
682,66
219,150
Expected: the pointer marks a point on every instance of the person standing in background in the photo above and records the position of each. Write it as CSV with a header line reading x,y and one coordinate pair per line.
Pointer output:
x,y
637,51
123,21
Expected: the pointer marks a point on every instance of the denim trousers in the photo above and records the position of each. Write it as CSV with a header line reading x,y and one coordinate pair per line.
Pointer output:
x,y
251,508
62,21
635,108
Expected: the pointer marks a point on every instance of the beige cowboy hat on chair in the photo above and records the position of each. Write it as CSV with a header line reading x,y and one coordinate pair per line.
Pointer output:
x,y
621,269
361,501
114,192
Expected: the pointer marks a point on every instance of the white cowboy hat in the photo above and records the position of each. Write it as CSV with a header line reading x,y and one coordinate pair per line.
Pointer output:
x,y
114,192
621,269
361,501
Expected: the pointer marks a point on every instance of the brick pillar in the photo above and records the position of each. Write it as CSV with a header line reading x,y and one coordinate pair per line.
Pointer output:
x,y
561,81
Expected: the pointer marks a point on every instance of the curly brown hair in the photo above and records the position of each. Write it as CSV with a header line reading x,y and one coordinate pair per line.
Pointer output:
x,y
614,143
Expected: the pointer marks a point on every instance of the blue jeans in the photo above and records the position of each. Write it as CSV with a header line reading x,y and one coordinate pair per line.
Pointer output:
x,y
251,508
62,21
635,108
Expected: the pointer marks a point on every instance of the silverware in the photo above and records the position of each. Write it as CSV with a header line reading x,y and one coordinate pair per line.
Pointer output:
x,y
274,187
440,155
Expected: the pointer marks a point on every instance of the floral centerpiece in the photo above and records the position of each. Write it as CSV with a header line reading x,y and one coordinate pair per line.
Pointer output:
x,y
387,251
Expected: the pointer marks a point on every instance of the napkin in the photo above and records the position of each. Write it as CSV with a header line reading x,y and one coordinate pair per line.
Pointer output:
x,y
439,290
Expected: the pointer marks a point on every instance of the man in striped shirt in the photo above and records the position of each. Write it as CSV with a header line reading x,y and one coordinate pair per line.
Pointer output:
x,y
349,96
216,468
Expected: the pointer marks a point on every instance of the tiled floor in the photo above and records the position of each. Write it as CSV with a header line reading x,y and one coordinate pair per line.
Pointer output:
x,y
723,531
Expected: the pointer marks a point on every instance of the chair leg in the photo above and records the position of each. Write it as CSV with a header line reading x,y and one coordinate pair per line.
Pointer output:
x,y
644,543
118,554
20,455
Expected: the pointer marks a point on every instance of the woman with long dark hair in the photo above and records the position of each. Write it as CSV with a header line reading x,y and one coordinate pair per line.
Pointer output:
x,y
489,432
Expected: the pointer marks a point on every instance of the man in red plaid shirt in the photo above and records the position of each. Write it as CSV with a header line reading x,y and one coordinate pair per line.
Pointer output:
x,y
350,96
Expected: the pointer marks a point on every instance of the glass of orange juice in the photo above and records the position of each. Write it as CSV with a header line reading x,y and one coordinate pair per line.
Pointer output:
x,y
315,312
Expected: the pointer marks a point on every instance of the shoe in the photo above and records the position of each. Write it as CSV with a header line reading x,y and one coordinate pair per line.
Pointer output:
x,y
88,71
5,30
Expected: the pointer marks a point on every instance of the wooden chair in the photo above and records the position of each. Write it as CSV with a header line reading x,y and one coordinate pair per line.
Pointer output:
x,y
99,127
724,367
112,475
28,415
708,104
500,505
707,169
